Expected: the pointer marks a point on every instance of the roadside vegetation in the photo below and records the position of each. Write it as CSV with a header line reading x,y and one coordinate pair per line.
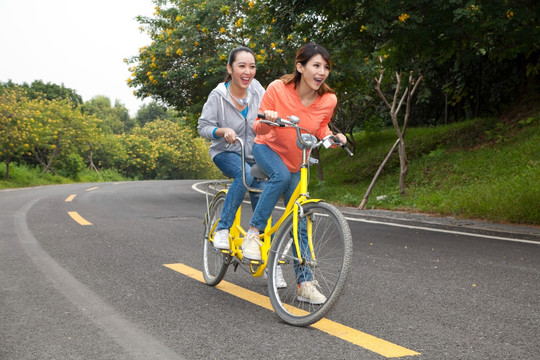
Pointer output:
x,y
471,142
478,169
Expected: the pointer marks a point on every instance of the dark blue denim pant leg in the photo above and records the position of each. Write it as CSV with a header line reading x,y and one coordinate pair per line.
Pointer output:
x,y
303,272
282,181
230,164
280,178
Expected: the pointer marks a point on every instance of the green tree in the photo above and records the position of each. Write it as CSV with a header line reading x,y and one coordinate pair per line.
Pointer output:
x,y
181,153
142,155
39,89
191,40
474,55
108,151
115,120
16,120
60,131
150,112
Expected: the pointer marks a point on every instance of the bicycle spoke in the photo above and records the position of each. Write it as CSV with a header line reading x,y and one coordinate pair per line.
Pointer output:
x,y
215,262
332,247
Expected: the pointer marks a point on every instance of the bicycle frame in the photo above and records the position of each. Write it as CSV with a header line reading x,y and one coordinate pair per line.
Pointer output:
x,y
295,205
237,232
306,229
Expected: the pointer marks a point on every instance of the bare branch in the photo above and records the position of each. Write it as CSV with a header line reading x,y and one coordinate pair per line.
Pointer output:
x,y
378,88
402,98
409,101
398,85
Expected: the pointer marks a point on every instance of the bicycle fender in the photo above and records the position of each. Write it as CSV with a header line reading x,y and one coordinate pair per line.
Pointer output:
x,y
311,201
205,221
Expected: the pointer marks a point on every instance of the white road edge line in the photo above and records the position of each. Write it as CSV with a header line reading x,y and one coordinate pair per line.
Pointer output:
x,y
194,187
134,339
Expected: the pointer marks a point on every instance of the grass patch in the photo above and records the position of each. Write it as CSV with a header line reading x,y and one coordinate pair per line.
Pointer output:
x,y
25,176
483,169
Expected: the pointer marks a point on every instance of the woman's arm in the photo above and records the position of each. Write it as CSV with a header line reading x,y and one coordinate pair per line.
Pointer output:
x,y
209,119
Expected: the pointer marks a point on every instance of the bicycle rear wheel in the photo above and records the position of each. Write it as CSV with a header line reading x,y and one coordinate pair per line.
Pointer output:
x,y
332,248
215,263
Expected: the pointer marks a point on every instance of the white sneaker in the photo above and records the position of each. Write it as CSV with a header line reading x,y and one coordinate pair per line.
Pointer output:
x,y
280,281
308,292
221,239
251,247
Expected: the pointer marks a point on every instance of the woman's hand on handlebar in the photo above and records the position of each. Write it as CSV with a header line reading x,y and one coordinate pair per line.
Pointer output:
x,y
229,135
270,115
341,138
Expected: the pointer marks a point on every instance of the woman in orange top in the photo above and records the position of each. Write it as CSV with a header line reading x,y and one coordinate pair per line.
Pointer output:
x,y
305,95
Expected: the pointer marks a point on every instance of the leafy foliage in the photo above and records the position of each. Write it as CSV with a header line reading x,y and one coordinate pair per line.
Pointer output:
x,y
38,89
16,124
114,120
475,56
179,154
190,44
64,140
150,112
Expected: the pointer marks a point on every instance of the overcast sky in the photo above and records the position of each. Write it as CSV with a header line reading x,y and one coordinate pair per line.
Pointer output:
x,y
78,43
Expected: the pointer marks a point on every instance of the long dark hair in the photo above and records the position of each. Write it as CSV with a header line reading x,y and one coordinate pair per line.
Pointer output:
x,y
303,55
232,59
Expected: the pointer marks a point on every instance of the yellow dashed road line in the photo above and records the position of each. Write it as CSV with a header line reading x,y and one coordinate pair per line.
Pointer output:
x,y
78,218
369,342
70,198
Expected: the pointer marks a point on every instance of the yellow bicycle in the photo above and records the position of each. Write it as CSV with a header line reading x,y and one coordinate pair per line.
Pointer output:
x,y
312,238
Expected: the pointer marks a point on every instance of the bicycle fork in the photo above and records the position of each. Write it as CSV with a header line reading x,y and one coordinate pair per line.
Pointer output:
x,y
307,221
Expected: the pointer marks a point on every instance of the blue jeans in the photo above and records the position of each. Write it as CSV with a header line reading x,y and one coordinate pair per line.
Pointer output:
x,y
281,182
230,164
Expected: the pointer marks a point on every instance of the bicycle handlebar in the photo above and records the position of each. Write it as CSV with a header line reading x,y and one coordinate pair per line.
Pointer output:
x,y
293,122
279,121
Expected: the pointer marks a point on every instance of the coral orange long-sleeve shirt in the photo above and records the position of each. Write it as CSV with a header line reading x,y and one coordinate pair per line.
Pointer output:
x,y
284,99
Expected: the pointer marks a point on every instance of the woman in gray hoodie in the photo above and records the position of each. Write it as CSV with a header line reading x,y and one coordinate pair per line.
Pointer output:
x,y
229,112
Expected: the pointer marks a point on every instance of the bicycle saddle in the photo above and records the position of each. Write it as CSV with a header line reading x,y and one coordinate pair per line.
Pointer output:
x,y
257,173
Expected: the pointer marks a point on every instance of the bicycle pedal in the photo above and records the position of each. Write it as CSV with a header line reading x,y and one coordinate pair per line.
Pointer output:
x,y
252,262
226,251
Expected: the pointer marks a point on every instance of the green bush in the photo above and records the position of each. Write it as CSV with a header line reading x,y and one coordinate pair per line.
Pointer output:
x,y
71,165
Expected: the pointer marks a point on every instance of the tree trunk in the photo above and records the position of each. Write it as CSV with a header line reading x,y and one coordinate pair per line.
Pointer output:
x,y
403,166
394,108
8,160
381,167
90,158
53,156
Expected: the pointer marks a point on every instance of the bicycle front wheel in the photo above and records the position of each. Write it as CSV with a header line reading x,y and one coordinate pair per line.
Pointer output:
x,y
215,262
325,268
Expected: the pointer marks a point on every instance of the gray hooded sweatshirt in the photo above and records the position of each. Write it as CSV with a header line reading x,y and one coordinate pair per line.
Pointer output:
x,y
219,111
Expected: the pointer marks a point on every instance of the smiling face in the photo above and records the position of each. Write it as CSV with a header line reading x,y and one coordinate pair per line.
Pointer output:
x,y
242,70
314,72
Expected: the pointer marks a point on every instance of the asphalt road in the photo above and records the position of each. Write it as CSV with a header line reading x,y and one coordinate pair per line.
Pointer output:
x,y
431,288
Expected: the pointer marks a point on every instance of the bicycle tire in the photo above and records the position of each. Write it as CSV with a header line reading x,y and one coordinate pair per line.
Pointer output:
x,y
215,263
332,244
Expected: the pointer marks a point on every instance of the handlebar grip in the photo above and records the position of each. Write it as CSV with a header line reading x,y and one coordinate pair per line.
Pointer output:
x,y
277,122
338,142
